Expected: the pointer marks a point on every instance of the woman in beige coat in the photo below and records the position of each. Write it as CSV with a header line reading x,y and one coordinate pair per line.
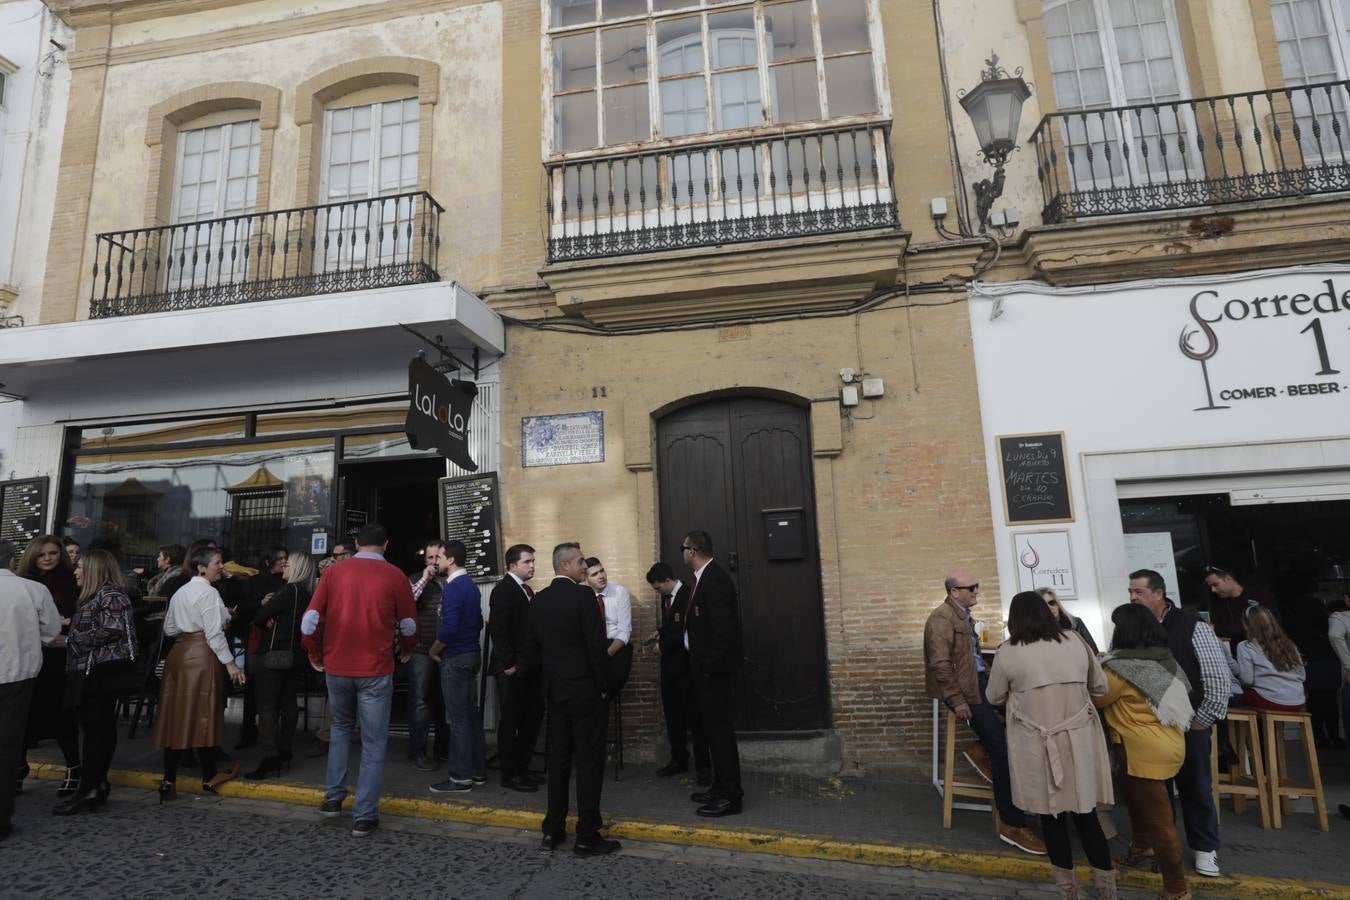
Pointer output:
x,y
1056,749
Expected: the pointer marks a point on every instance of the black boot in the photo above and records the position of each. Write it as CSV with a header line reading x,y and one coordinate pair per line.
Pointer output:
x,y
270,765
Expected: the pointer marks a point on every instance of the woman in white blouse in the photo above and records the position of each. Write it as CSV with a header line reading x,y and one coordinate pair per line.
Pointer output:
x,y
191,711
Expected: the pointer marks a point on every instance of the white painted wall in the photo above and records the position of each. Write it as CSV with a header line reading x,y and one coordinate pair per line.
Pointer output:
x,y
1104,366
31,127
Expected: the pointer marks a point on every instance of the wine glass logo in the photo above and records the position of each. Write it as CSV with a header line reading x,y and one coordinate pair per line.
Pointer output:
x,y
1030,559
1201,354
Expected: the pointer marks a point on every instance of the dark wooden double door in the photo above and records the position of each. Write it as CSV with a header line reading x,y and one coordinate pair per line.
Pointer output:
x,y
740,469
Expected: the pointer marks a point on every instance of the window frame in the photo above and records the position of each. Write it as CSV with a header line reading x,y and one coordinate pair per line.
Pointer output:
x,y
374,161
703,9
1333,13
222,174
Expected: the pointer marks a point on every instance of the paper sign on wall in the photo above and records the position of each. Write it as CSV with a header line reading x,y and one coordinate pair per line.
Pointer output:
x,y
1153,550
1044,561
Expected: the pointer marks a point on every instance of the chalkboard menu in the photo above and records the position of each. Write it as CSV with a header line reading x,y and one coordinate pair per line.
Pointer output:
x,y
470,512
23,510
1035,478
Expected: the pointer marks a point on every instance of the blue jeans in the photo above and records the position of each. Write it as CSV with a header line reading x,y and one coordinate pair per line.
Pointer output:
x,y
459,687
993,734
370,698
421,674
1195,787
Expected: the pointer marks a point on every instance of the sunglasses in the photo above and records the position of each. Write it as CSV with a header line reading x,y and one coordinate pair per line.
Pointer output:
x,y
966,587
684,548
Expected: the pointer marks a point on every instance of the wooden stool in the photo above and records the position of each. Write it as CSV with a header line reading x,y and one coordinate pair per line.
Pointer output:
x,y
948,786
1247,778
1272,725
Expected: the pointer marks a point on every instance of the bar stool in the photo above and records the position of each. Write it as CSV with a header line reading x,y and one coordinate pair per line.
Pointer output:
x,y
948,787
1247,778
1272,725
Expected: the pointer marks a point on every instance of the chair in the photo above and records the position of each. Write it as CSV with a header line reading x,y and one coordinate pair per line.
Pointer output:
x,y
947,787
1247,777
1272,726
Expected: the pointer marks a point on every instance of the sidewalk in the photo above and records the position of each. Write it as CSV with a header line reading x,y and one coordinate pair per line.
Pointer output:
x,y
869,820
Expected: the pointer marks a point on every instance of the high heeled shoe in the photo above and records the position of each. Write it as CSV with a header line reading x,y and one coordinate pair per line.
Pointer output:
x,y
85,799
269,766
211,787
71,784
167,791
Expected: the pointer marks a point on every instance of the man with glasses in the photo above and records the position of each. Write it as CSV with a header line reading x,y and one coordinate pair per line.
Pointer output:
x,y
956,674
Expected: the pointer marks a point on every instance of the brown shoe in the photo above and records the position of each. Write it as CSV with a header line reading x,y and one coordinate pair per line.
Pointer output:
x,y
979,759
221,777
1021,838
1138,858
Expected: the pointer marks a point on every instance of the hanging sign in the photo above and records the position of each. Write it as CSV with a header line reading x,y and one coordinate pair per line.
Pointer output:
x,y
438,413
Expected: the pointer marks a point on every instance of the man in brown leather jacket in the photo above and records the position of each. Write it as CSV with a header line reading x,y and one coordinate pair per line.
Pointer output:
x,y
956,674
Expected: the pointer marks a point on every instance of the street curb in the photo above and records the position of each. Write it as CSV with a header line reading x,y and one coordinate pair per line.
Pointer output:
x,y
767,841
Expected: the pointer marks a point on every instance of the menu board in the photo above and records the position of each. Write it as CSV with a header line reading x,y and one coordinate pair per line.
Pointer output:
x,y
1035,478
471,512
23,509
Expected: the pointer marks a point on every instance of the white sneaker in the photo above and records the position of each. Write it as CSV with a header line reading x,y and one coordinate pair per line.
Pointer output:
x,y
1207,863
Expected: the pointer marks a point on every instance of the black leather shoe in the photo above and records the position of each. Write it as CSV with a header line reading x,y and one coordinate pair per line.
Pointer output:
x,y
81,801
716,809
519,784
671,768
552,842
705,778
596,846
705,796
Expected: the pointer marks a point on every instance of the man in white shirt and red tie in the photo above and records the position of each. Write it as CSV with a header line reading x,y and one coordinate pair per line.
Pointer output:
x,y
616,605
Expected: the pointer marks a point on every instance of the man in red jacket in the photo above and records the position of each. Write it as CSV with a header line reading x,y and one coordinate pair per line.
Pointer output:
x,y
349,630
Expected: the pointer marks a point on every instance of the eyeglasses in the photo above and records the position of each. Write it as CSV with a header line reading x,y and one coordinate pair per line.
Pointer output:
x,y
966,587
338,554
1052,603
684,549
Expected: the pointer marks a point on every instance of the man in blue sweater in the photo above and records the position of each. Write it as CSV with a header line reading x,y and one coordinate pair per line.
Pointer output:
x,y
459,651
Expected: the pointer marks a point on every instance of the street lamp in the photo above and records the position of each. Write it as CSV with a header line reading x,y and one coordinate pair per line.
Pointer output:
x,y
995,109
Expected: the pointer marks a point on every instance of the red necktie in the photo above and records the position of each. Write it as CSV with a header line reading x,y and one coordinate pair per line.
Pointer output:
x,y
528,592
600,601
689,604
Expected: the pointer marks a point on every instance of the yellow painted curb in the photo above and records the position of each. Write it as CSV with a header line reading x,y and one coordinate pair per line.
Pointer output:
x,y
769,841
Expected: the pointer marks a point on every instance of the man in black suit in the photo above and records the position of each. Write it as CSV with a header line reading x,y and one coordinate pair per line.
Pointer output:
x,y
677,690
713,636
520,699
566,645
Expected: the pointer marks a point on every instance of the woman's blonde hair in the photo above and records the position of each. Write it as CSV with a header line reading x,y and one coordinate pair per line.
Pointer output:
x,y
1265,631
28,566
99,569
302,570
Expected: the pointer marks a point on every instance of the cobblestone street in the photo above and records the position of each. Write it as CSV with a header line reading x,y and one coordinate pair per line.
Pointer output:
x,y
206,848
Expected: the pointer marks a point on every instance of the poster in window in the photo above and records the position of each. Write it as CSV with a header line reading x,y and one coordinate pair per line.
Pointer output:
x,y
307,490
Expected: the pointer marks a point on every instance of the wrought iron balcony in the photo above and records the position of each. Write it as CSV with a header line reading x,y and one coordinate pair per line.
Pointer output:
x,y
782,185
349,246
1235,148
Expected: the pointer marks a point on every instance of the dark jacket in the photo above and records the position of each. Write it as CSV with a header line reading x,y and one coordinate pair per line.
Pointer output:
x,y
284,610
566,643
509,609
714,624
101,631
674,657
1180,627
428,612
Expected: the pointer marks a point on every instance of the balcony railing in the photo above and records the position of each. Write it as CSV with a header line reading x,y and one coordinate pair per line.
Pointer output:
x,y
349,246
1259,145
776,186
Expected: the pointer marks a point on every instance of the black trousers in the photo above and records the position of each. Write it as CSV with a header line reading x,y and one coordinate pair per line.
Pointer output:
x,y
97,716
14,699
620,667
1095,847
520,703
714,696
276,691
677,701
576,731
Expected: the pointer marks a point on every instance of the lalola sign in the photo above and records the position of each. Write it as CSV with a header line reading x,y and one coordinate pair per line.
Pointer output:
x,y
438,413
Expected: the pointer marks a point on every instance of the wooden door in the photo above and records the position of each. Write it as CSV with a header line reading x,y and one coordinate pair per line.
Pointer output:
x,y
740,469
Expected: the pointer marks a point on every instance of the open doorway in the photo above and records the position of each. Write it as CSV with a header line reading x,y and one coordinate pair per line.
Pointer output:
x,y
400,494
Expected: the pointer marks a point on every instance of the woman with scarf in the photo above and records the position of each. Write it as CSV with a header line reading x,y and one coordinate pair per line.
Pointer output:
x,y
1148,709
100,667
1056,752
45,561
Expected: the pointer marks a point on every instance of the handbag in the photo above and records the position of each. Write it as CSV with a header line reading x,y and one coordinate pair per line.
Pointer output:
x,y
279,660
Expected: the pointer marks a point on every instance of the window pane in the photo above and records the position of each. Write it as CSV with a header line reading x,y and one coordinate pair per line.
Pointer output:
x,y
849,87
618,9
572,12
683,107
574,122
574,62
733,39
667,5
679,46
796,92
788,28
624,51
843,26
627,116
737,95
